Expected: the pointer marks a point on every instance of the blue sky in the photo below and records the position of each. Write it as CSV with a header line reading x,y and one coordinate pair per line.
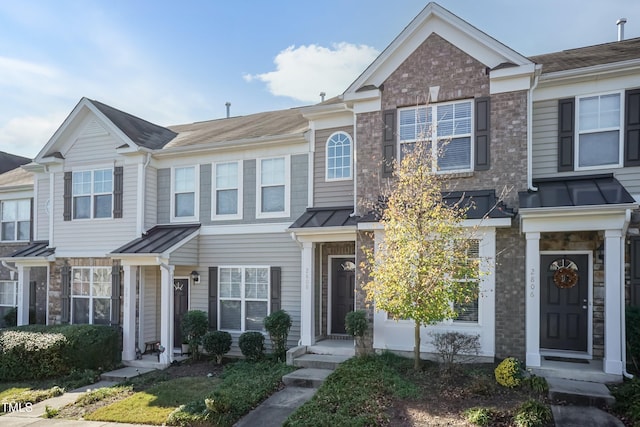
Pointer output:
x,y
179,62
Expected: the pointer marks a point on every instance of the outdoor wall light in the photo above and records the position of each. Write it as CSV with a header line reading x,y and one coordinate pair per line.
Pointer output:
x,y
195,276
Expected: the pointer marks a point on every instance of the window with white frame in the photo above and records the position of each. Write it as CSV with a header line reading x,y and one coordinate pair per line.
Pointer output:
x,y
227,190
599,136
91,295
93,194
450,124
8,294
184,187
468,311
273,187
338,157
16,219
243,297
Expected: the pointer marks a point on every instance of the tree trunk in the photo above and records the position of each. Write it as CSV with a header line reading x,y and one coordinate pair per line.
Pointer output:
x,y
416,348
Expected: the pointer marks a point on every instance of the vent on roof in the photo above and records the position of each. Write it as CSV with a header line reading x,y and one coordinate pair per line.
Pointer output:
x,y
228,105
620,23
322,95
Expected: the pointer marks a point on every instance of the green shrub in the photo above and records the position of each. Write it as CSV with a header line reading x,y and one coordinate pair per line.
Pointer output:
x,y
479,416
355,323
217,343
252,345
194,325
39,351
537,384
632,332
11,317
278,325
509,372
627,397
532,414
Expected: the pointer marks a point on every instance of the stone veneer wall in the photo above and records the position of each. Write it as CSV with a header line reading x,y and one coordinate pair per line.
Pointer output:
x,y
589,241
459,76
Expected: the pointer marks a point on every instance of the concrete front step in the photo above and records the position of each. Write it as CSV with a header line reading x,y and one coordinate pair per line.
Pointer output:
x,y
580,392
123,374
319,361
306,377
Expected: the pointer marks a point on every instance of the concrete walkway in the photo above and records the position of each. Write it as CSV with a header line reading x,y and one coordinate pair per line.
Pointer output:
x,y
273,411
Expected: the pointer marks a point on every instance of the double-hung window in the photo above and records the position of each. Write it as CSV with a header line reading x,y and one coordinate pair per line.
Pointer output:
x,y
243,297
273,187
338,157
468,311
227,190
445,127
16,220
8,294
184,184
91,295
599,137
93,194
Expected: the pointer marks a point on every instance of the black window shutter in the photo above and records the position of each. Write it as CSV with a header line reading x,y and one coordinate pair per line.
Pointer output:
x,y
118,186
65,282
116,282
482,134
635,272
68,188
388,142
632,128
276,300
566,122
213,298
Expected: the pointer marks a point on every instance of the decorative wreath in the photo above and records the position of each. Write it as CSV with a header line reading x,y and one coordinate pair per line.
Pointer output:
x,y
565,278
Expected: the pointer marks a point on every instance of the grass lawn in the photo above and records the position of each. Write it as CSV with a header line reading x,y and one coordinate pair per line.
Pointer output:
x,y
153,405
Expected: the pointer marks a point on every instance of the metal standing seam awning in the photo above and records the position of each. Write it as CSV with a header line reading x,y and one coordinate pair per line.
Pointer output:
x,y
158,240
34,251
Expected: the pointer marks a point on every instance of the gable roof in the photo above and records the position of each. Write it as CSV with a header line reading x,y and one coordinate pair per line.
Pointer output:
x,y
436,19
253,126
140,132
11,161
589,56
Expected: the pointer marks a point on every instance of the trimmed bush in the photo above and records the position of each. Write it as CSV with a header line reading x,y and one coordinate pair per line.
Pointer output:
x,y
632,332
252,345
194,325
509,372
217,343
11,317
39,351
278,325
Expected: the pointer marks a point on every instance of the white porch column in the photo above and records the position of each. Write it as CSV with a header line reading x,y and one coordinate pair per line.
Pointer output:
x,y
166,313
532,299
307,316
129,313
613,285
23,295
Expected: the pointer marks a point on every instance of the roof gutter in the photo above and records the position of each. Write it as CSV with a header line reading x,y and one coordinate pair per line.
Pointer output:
x,y
240,143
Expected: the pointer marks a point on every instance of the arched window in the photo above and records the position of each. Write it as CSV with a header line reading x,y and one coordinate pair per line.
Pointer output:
x,y
338,156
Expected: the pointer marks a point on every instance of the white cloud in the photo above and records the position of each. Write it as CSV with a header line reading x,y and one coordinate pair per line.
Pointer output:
x,y
305,71
26,135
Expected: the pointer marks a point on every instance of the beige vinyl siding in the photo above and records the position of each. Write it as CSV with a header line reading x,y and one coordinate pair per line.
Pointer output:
x,y
151,305
40,210
545,150
151,198
330,193
96,235
187,254
274,250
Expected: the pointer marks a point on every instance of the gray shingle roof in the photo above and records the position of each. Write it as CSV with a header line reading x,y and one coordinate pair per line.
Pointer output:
x,y
158,239
589,56
16,177
141,132
11,161
576,191
326,217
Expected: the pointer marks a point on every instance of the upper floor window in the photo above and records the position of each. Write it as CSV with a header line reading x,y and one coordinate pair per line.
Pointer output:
x,y
600,140
16,219
184,199
273,187
227,190
449,124
93,194
91,295
338,156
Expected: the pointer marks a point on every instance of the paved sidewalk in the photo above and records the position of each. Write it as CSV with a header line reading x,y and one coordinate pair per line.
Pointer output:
x,y
273,411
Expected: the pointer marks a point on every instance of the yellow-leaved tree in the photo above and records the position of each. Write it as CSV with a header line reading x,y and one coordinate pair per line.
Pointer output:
x,y
422,269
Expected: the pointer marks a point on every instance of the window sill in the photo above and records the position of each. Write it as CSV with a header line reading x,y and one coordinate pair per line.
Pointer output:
x,y
467,174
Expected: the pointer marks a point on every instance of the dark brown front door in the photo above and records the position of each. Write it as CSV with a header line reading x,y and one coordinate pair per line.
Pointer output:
x,y
180,307
342,292
564,302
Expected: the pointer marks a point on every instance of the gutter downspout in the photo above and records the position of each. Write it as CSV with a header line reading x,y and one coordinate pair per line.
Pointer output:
x,y
142,193
623,326
295,239
354,160
530,186
9,267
